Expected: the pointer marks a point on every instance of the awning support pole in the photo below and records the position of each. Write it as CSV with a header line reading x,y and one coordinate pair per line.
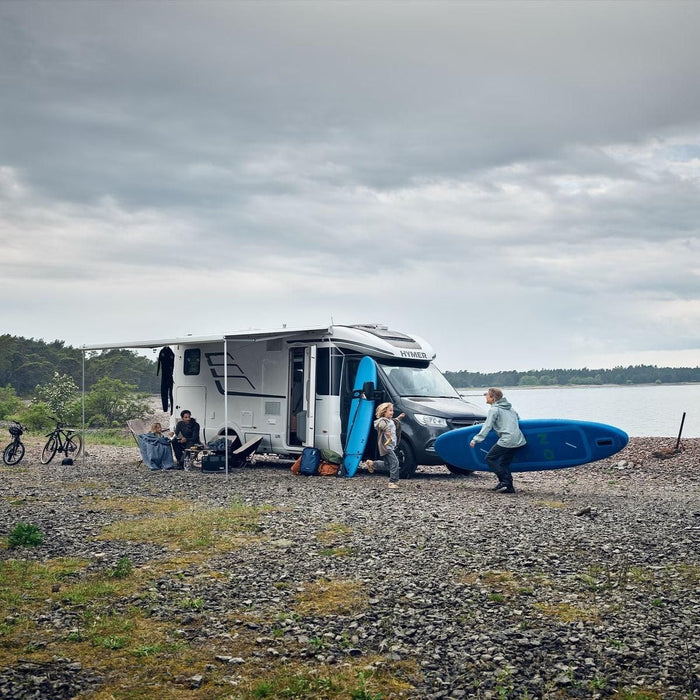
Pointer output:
x,y
82,427
226,404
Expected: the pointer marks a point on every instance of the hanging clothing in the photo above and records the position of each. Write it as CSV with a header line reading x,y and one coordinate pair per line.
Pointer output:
x,y
166,360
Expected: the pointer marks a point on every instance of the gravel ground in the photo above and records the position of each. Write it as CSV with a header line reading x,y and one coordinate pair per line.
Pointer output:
x,y
583,583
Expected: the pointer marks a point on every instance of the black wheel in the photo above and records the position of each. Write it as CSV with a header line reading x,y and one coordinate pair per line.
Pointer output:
x,y
73,446
458,471
13,453
47,454
407,460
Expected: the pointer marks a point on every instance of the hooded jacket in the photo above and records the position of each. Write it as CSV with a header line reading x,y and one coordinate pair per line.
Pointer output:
x,y
504,420
388,434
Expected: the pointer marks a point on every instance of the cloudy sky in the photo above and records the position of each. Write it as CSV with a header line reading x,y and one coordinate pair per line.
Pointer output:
x,y
517,182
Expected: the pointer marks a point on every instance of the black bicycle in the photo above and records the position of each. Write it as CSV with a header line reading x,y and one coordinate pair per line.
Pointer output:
x,y
64,440
14,452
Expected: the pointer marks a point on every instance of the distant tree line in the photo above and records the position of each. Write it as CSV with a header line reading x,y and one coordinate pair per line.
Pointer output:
x,y
637,374
26,363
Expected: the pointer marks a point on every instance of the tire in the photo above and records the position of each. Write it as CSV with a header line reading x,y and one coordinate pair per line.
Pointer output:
x,y
407,460
47,454
74,445
13,453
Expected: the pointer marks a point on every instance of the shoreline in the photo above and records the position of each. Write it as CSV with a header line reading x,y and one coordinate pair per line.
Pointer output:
x,y
581,386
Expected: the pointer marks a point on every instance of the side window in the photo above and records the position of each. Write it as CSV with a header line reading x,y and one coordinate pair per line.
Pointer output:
x,y
329,363
351,364
322,371
192,361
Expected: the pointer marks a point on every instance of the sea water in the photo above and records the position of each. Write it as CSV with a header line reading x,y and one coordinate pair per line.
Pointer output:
x,y
641,411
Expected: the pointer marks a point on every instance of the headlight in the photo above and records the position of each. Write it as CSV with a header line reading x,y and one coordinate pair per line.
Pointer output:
x,y
433,421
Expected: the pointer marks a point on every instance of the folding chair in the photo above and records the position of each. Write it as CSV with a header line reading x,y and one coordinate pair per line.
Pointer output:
x,y
138,426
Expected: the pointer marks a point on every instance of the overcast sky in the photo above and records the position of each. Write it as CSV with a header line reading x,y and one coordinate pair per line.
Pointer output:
x,y
517,182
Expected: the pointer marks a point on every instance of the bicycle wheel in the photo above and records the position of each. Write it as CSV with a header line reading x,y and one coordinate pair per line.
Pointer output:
x,y
13,453
47,454
73,446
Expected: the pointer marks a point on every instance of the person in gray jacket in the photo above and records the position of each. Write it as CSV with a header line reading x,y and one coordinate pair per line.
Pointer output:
x,y
504,420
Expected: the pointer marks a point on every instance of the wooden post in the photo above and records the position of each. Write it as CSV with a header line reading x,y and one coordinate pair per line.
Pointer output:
x,y
678,441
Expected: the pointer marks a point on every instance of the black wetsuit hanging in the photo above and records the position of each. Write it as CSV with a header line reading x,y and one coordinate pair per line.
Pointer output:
x,y
166,360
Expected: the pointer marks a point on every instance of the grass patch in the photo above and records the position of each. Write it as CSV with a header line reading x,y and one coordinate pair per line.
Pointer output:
x,y
22,583
333,533
356,681
117,437
689,573
335,597
194,529
565,612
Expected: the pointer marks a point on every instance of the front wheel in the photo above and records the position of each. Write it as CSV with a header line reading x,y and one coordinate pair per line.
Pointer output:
x,y
13,453
407,460
47,454
73,446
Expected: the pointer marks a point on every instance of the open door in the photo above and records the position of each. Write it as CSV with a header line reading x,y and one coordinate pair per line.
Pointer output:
x,y
194,400
302,396
310,394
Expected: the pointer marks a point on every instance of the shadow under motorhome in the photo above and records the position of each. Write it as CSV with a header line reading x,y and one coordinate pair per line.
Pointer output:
x,y
293,387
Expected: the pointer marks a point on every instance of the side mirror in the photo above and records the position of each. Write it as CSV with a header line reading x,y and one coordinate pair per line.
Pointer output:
x,y
368,389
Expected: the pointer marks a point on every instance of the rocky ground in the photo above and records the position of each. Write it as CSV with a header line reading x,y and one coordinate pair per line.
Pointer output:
x,y
585,583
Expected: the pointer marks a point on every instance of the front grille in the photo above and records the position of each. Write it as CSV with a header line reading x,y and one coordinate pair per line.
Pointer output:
x,y
464,422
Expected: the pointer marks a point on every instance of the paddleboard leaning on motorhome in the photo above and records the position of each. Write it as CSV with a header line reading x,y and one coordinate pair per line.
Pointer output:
x,y
551,444
361,415
293,387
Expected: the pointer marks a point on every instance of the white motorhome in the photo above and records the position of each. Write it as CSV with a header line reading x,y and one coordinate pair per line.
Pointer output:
x,y
293,387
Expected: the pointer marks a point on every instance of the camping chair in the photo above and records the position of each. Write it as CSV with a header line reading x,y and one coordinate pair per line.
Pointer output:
x,y
241,455
138,426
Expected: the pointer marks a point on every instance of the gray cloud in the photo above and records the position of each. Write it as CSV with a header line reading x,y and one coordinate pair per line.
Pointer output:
x,y
523,175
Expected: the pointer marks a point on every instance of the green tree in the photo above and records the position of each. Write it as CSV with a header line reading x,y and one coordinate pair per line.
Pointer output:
x,y
36,416
10,403
528,380
111,402
58,394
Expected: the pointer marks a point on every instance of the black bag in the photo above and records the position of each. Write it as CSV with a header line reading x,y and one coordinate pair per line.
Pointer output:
x,y
310,461
214,463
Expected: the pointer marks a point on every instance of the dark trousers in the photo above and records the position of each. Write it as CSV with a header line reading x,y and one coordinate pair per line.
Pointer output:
x,y
180,448
499,458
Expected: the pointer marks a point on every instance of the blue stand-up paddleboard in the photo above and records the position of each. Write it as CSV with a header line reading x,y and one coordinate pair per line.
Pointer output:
x,y
551,444
360,417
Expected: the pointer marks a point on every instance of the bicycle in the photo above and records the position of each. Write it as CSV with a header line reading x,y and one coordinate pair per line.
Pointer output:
x,y
61,439
14,452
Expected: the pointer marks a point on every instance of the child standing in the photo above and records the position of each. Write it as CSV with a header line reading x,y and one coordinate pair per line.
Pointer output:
x,y
386,426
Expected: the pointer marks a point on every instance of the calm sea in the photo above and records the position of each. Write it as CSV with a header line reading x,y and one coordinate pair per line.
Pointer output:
x,y
641,411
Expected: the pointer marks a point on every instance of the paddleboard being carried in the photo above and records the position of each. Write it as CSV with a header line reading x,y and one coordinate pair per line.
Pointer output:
x,y
552,443
360,416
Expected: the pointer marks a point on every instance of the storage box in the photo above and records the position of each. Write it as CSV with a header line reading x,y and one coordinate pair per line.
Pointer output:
x,y
214,463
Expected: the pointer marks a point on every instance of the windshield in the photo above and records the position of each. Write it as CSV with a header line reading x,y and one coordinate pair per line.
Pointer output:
x,y
419,381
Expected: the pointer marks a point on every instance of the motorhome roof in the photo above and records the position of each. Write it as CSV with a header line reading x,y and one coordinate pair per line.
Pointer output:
x,y
373,338
250,334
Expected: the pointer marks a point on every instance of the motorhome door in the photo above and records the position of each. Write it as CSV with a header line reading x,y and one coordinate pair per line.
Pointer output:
x,y
194,400
302,396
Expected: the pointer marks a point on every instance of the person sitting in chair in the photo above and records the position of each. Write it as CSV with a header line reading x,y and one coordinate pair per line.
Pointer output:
x,y
186,435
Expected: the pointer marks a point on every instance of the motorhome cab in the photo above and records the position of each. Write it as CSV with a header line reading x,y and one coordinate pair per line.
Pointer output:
x,y
293,387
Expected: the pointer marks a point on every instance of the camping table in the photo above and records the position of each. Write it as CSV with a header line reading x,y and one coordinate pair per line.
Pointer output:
x,y
193,457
